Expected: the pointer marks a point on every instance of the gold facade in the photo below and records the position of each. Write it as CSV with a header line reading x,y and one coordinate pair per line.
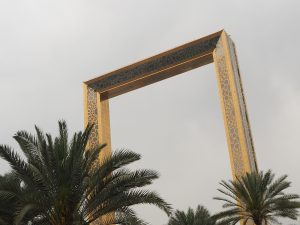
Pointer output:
x,y
216,48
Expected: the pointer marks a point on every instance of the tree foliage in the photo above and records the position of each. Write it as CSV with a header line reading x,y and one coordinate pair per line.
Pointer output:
x,y
257,197
61,182
200,216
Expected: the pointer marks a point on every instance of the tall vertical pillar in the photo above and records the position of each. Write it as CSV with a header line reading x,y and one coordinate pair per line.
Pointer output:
x,y
237,127
96,112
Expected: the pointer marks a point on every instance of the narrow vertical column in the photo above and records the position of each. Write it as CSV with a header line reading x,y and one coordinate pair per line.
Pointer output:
x,y
91,114
104,124
239,139
96,112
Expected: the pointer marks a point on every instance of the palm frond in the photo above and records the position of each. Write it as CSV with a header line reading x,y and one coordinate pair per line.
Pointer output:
x,y
257,197
61,179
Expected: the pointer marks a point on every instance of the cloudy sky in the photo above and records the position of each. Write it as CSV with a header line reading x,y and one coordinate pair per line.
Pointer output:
x,y
48,48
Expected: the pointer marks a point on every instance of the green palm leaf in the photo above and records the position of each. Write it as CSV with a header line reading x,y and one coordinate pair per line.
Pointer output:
x,y
61,182
258,198
200,216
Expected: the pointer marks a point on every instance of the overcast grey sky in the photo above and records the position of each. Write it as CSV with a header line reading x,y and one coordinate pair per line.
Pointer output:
x,y
48,48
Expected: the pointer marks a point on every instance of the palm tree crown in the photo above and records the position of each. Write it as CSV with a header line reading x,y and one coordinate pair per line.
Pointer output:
x,y
67,185
200,216
257,197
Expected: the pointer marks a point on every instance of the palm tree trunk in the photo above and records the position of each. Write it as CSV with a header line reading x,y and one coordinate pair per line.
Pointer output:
x,y
258,222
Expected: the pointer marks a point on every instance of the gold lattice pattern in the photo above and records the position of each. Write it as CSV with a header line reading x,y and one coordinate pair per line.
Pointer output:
x,y
229,110
92,117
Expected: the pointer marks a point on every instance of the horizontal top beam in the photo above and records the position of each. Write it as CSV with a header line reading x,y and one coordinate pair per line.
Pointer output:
x,y
156,68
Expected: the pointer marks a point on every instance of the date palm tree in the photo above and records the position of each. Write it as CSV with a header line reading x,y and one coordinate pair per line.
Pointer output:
x,y
257,197
12,194
8,183
66,184
200,216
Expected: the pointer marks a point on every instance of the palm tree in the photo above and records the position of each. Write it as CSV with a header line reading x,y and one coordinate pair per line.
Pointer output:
x,y
12,193
68,185
258,198
8,182
200,216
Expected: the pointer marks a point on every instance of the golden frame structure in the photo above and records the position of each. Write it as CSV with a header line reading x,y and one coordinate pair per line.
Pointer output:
x,y
217,48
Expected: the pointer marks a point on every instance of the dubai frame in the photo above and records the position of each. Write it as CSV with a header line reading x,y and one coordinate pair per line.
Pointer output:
x,y
216,48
